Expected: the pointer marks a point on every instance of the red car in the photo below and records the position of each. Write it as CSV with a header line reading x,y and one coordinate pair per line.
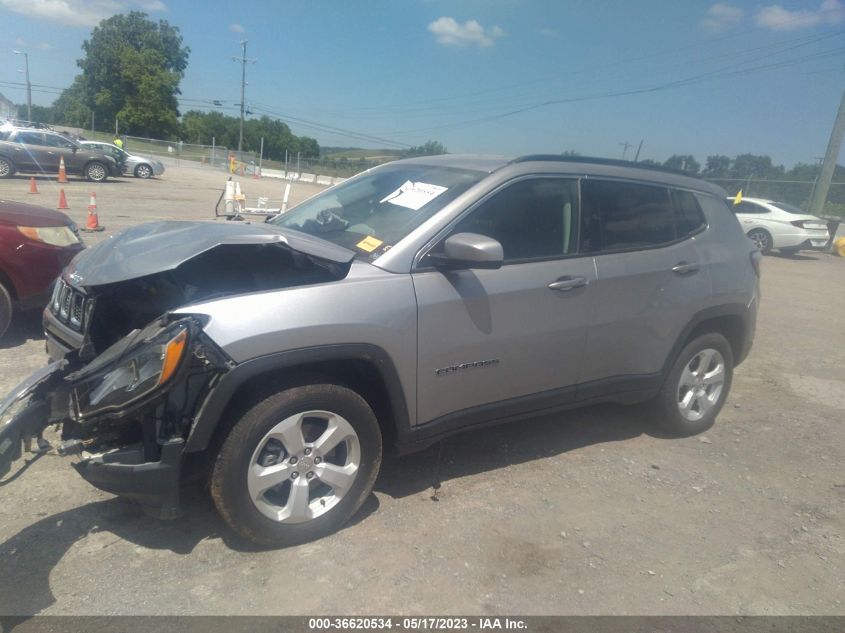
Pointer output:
x,y
35,245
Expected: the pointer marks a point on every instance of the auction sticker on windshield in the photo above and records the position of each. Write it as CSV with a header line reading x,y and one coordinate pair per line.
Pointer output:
x,y
369,244
414,195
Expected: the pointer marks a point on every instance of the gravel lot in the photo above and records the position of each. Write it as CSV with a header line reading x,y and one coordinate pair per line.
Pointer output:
x,y
589,512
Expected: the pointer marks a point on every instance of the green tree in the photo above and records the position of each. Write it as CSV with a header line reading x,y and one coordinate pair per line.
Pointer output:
x,y
71,107
430,148
717,166
685,163
131,71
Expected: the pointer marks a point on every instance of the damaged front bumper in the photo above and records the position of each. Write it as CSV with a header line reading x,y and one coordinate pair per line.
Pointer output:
x,y
126,413
24,414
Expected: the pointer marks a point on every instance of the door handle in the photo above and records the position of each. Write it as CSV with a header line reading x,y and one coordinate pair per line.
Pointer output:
x,y
565,284
685,268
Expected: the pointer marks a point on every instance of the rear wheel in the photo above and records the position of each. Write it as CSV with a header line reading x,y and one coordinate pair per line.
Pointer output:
x,y
96,171
143,171
6,167
697,386
762,238
6,309
297,465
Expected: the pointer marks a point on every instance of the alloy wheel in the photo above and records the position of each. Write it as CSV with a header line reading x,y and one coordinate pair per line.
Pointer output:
x,y
96,172
701,384
761,239
303,466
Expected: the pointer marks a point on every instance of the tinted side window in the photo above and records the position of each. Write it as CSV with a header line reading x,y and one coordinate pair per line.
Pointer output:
x,y
749,207
30,138
623,216
531,218
54,140
690,217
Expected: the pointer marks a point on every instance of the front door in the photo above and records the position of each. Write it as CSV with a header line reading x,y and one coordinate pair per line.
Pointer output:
x,y
487,336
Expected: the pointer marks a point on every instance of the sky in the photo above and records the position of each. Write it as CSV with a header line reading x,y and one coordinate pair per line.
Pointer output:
x,y
504,77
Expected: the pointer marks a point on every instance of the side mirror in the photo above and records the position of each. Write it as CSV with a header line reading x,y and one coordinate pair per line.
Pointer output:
x,y
469,250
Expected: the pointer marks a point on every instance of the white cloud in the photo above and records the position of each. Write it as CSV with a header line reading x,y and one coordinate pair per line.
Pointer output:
x,y
78,12
721,16
450,32
777,18
237,28
44,46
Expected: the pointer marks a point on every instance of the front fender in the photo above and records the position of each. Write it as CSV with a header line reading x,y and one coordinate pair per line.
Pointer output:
x,y
215,404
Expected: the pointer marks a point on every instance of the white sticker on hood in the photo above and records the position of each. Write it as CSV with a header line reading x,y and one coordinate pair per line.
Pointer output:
x,y
414,195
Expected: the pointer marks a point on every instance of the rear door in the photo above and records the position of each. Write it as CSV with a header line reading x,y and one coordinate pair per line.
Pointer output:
x,y
487,336
29,151
650,279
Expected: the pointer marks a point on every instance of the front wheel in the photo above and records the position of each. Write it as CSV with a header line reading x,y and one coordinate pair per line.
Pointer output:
x,y
697,386
6,310
143,171
297,465
96,172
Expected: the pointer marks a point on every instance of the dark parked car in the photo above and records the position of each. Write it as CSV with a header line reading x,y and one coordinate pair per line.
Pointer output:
x,y
35,244
39,151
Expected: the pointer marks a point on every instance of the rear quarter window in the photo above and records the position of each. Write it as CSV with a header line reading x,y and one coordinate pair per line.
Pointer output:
x,y
620,216
690,218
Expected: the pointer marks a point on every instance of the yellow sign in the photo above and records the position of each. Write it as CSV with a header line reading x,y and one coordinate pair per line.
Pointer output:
x,y
738,197
369,244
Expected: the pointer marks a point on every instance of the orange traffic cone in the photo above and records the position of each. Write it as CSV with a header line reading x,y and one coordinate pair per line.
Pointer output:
x,y
62,174
62,200
33,188
93,222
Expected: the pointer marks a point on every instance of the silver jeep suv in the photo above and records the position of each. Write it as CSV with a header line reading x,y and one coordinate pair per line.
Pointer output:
x,y
418,299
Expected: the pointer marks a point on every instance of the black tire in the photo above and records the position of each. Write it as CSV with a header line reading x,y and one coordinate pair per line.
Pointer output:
x,y
95,171
229,485
763,239
667,404
6,310
7,167
143,171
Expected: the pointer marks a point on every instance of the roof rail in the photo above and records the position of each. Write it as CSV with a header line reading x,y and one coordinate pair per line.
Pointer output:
x,y
29,124
594,160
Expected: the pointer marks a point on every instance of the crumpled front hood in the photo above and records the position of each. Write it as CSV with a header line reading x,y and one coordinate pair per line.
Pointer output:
x,y
161,246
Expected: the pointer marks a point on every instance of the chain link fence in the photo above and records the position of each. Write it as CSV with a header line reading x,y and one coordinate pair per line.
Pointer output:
x,y
795,192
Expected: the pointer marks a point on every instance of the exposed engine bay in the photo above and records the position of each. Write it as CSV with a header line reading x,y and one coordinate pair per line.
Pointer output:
x,y
128,376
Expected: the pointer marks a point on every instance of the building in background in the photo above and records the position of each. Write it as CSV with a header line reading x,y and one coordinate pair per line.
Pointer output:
x,y
8,110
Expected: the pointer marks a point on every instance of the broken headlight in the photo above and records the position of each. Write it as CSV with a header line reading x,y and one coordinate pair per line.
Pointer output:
x,y
136,373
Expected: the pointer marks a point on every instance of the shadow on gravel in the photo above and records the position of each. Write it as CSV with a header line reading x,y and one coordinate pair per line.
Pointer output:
x,y
798,257
25,327
511,443
29,557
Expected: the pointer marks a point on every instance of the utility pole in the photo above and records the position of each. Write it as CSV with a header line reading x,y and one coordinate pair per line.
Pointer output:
x,y
829,164
625,147
28,85
243,62
639,148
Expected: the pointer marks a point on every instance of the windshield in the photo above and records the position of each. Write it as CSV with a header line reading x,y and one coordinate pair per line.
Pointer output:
x,y
372,212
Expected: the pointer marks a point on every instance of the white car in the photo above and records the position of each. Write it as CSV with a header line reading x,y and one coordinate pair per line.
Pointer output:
x,y
779,225
138,166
